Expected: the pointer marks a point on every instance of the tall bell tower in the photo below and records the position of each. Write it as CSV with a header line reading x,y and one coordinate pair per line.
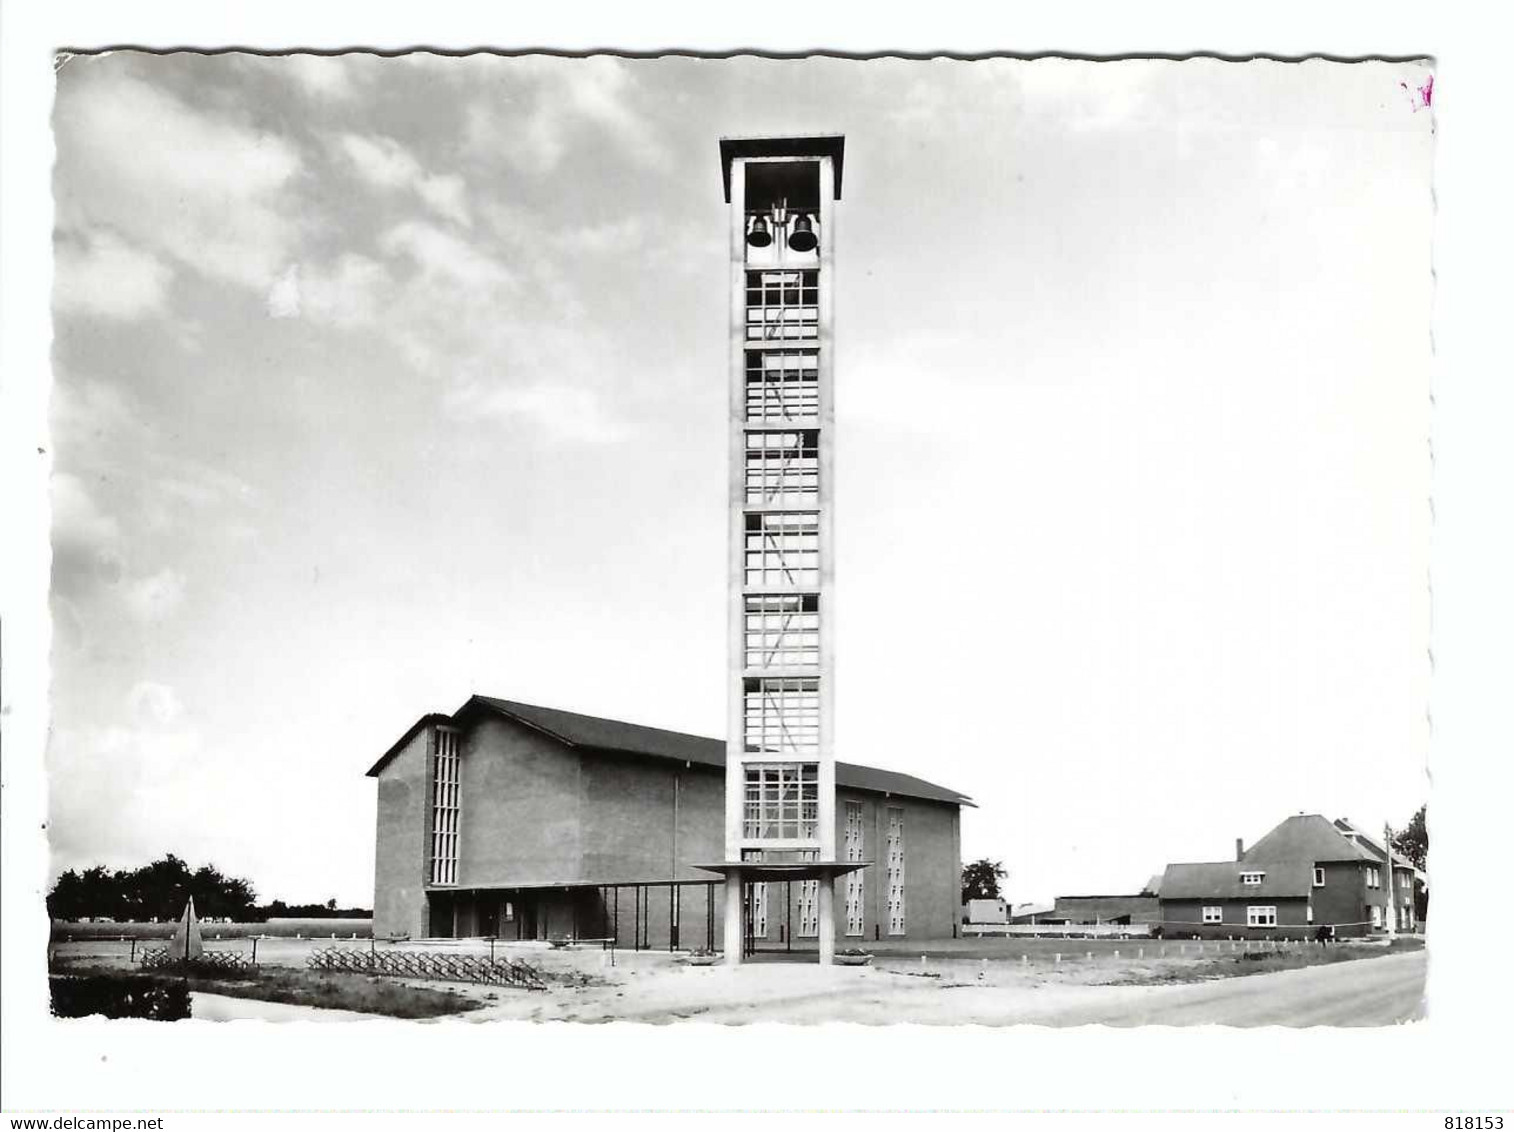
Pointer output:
x,y
780,814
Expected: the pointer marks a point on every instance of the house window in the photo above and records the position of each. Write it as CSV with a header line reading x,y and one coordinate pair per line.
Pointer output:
x,y
895,871
782,548
445,808
1261,916
1377,915
1308,913
1319,877
1213,914
1252,878
782,630
853,852
782,801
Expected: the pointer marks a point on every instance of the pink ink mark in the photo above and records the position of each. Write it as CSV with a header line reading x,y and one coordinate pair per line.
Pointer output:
x,y
1421,96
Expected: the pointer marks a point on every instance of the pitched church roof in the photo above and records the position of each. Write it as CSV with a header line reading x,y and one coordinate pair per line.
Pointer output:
x,y
596,733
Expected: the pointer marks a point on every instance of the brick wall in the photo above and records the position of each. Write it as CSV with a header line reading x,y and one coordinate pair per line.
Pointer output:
x,y
400,857
1186,918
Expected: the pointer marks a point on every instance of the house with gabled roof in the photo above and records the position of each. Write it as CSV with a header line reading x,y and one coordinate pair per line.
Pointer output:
x,y
515,821
1410,883
1305,874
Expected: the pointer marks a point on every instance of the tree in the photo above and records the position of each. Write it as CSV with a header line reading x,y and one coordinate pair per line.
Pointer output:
x,y
1414,840
159,889
980,880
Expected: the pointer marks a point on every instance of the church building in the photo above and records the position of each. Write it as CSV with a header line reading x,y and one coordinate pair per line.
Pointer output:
x,y
521,822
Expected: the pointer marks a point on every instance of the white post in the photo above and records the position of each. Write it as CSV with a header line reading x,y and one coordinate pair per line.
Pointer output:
x,y
1392,904
734,936
827,910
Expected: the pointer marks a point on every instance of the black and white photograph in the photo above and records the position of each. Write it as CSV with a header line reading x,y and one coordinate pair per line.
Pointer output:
x,y
621,485
561,542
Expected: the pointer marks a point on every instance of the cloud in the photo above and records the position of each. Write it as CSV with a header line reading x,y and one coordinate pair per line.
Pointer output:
x,y
562,412
622,237
443,257
155,597
532,122
102,274
320,76
206,190
86,541
154,761
1063,94
154,704
348,293
384,163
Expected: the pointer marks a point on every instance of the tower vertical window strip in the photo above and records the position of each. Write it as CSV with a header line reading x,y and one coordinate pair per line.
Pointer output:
x,y
782,385
445,807
782,548
783,467
895,871
782,306
782,718
854,887
782,630
781,802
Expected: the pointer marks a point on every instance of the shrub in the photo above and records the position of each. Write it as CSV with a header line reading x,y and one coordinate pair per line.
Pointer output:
x,y
119,996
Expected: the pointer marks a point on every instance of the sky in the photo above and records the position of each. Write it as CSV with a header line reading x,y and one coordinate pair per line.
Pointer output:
x,y
382,382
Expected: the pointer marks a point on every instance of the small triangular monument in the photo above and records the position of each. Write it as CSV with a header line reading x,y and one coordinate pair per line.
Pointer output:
x,y
187,945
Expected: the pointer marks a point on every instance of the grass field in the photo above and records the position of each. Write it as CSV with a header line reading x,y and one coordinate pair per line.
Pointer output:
x,y
362,993
1257,962
1022,976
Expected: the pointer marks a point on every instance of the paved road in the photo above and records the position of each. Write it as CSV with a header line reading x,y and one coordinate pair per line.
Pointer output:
x,y
1366,992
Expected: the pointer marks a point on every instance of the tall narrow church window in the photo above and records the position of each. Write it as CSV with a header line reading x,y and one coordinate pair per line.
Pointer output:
x,y
895,871
445,809
854,887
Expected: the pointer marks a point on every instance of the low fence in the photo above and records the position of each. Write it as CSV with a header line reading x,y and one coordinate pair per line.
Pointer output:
x,y
1060,931
1188,929
1172,929
207,962
499,972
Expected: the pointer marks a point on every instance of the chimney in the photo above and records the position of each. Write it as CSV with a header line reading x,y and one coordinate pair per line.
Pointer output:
x,y
1240,849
